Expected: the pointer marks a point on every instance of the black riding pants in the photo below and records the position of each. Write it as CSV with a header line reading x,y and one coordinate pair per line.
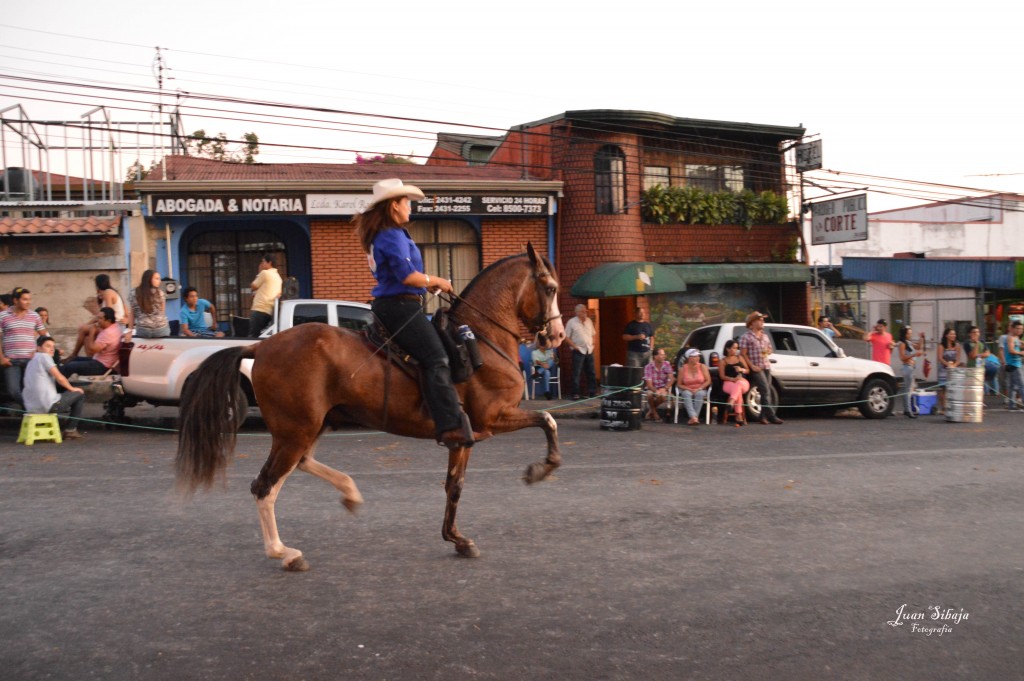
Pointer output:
x,y
405,321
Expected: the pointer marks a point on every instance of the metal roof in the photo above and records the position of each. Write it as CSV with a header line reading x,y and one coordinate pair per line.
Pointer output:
x,y
976,273
627,118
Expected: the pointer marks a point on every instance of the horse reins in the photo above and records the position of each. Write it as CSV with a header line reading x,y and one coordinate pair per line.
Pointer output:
x,y
450,297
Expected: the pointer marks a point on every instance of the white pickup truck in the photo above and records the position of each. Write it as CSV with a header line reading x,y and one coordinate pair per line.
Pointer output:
x,y
155,369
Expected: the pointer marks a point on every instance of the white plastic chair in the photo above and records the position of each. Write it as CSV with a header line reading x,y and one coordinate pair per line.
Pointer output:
x,y
555,383
677,399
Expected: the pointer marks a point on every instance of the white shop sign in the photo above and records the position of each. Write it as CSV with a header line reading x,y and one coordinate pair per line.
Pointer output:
x,y
337,204
840,220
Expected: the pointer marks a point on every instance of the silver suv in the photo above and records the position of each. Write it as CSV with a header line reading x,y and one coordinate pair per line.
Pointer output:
x,y
808,369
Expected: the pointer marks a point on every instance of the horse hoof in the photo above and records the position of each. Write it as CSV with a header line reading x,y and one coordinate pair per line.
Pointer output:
x,y
299,564
468,550
350,505
535,472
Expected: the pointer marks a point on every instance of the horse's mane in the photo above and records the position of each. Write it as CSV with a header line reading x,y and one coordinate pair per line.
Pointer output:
x,y
481,275
493,266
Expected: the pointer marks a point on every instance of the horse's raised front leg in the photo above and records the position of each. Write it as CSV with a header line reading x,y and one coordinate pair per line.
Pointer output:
x,y
350,496
514,418
458,459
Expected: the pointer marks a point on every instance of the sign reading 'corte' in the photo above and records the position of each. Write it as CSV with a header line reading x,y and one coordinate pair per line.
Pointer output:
x,y
840,220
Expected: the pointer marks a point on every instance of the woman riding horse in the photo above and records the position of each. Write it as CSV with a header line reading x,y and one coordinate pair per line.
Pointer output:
x,y
397,265
313,377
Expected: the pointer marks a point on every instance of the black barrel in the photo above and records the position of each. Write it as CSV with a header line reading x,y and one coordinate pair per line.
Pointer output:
x,y
622,398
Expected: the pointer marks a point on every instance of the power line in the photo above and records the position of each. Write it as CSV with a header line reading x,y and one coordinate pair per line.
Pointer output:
x,y
246,59
526,145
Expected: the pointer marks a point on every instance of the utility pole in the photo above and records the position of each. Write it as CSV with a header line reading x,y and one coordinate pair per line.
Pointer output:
x,y
158,67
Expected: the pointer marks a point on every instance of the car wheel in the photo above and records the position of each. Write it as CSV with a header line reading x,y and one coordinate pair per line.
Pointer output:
x,y
754,400
876,399
753,404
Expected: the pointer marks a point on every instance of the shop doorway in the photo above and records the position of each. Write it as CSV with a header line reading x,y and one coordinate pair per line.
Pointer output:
x,y
222,265
615,314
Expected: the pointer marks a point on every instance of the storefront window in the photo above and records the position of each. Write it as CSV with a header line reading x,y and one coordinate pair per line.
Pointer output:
x,y
450,248
222,265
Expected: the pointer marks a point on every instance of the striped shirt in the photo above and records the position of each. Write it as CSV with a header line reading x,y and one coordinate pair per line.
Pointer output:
x,y
19,331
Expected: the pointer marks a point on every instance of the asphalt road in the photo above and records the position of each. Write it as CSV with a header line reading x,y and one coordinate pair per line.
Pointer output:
x,y
674,552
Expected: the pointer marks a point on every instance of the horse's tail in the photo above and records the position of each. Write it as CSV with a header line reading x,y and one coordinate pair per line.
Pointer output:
x,y
211,410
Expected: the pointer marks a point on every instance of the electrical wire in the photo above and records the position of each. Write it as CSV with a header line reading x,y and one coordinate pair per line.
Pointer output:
x,y
526,134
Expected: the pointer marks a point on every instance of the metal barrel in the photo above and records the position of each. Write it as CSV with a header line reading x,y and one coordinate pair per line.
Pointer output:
x,y
622,398
632,399
965,392
620,419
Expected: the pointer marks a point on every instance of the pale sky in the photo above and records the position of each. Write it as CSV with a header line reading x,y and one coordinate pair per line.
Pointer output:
x,y
923,91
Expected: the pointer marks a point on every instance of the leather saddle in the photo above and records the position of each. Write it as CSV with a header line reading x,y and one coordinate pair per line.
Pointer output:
x,y
376,339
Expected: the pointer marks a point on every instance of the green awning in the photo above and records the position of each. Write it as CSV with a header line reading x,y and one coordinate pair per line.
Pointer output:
x,y
742,273
616,279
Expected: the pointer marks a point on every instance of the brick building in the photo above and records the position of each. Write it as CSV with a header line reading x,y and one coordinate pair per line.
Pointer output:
x,y
208,222
57,233
686,274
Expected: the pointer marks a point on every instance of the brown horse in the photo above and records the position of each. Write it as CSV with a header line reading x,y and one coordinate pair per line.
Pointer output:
x,y
314,377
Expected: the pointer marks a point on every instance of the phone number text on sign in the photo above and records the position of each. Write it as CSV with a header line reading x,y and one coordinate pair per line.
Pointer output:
x,y
482,205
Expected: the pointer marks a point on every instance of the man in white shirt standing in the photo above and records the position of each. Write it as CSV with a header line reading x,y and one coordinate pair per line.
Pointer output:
x,y
40,394
579,335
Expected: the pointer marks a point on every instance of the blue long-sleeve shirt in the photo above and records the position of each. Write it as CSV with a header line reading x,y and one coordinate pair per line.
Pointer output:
x,y
394,256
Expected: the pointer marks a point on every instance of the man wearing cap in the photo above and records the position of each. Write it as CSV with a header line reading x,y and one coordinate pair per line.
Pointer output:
x,y
397,265
755,347
881,343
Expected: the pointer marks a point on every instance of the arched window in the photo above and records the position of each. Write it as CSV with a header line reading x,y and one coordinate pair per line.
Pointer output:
x,y
450,249
610,180
222,265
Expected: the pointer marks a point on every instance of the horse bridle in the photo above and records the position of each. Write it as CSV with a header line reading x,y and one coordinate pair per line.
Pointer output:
x,y
539,324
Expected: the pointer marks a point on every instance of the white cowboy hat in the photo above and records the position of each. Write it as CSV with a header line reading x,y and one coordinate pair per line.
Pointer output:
x,y
392,188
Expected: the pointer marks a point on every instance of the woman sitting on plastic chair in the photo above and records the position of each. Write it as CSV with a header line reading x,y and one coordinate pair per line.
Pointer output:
x,y
543,359
693,383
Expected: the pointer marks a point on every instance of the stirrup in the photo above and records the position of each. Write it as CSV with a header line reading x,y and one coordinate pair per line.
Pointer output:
x,y
464,436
